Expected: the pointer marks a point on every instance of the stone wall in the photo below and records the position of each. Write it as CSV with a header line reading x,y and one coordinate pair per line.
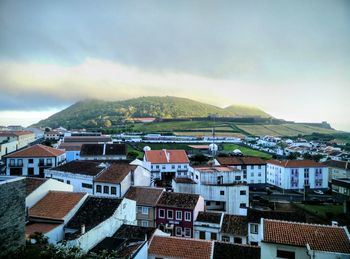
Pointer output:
x,y
12,215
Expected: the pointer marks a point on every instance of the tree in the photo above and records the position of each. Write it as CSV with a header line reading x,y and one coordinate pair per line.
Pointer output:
x,y
132,155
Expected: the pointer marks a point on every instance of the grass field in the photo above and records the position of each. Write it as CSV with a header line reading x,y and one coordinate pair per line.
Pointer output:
x,y
208,133
321,210
246,151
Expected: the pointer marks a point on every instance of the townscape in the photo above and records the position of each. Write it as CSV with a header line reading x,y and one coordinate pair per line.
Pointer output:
x,y
100,194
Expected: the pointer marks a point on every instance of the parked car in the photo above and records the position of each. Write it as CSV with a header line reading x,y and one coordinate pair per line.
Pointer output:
x,y
319,192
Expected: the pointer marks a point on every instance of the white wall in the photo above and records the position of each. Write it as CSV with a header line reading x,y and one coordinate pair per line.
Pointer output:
x,y
43,189
142,176
270,251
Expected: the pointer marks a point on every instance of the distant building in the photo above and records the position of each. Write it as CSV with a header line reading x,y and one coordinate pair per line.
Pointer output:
x,y
176,213
72,150
32,160
53,135
146,200
338,169
297,174
12,214
254,168
23,138
103,152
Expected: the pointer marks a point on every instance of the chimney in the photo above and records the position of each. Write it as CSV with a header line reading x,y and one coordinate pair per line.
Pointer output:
x,y
82,231
167,155
335,224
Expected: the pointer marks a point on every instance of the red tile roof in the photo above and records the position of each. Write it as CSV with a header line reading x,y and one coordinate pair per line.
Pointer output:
x,y
37,151
318,237
39,227
115,173
33,183
56,205
144,195
233,160
70,146
167,156
174,247
295,163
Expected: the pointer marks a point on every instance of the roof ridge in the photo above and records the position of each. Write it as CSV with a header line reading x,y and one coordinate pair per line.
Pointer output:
x,y
185,238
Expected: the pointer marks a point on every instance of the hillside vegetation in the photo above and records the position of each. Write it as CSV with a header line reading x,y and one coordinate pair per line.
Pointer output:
x,y
96,113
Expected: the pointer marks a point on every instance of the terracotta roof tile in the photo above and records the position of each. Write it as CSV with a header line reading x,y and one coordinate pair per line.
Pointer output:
x,y
33,183
167,156
71,146
185,248
232,160
209,217
236,225
83,167
319,237
178,200
295,163
37,151
115,173
144,195
31,228
55,205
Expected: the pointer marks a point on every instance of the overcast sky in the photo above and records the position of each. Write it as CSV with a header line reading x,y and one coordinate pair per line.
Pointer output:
x,y
290,58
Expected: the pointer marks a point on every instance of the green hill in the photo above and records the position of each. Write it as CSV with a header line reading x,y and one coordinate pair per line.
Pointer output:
x,y
96,113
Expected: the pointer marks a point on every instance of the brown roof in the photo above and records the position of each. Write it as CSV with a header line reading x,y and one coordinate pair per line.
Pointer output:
x,y
247,160
56,205
209,217
37,151
115,173
184,180
87,139
84,167
215,169
178,200
144,195
31,228
295,163
167,156
14,133
338,164
318,237
175,247
103,149
233,224
71,146
32,183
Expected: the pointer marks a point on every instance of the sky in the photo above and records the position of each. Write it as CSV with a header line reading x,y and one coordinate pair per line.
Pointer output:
x,y
289,58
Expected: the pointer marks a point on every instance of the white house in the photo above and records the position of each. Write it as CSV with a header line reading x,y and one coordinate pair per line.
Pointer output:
x,y
254,168
295,174
72,150
32,161
97,219
52,212
207,226
221,187
22,137
283,239
37,188
338,169
166,164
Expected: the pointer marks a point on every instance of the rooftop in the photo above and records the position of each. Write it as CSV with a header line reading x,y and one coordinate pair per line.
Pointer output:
x,y
295,163
338,164
233,224
174,247
235,251
134,232
144,195
246,160
167,156
178,200
209,217
94,211
15,133
55,205
81,167
33,183
115,173
44,228
184,180
87,139
37,151
318,237
209,169
70,146
103,150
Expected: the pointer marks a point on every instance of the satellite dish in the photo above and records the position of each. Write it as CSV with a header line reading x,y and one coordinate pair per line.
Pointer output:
x,y
146,148
213,147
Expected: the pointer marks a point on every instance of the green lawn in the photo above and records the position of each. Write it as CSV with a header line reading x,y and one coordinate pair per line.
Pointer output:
x,y
246,151
130,149
321,210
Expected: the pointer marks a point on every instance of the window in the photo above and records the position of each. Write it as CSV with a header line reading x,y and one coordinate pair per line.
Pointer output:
x,y
237,240
172,166
86,185
185,166
285,254
30,161
187,216
106,189
157,166
68,182
213,236
178,231
98,188
151,166
259,166
163,166
178,215
217,203
222,192
207,203
187,232
49,161
41,161
201,234
251,167
197,177
30,171
225,238
259,174
254,228
179,166
145,210
170,214
19,162
254,243
242,193
161,213
114,190
144,223
242,205
237,177
219,180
